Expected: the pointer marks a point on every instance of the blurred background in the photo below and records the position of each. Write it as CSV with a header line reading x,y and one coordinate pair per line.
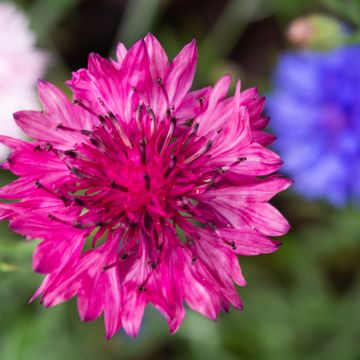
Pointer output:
x,y
302,302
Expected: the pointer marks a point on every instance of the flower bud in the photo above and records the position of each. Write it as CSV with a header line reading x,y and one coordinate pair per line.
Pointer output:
x,y
317,32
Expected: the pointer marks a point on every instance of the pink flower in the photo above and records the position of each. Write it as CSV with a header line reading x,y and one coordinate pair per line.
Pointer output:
x,y
20,67
143,191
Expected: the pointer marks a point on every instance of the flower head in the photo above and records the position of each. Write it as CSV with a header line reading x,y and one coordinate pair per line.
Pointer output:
x,y
315,111
20,67
159,183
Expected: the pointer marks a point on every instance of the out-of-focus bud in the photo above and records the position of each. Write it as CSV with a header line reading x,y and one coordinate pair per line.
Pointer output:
x,y
317,32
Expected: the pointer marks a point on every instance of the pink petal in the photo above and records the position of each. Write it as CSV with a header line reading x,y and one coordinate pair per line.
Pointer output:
x,y
158,60
181,74
120,52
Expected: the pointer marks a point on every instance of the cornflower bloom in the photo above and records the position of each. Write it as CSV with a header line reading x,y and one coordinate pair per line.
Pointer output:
x,y
143,191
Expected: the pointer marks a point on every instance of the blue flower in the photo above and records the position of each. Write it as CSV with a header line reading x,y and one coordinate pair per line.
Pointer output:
x,y
315,110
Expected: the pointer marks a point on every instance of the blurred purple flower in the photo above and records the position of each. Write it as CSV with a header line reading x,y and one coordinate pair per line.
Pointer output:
x,y
20,67
315,110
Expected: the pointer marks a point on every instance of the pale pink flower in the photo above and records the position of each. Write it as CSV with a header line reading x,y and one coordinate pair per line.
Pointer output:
x,y
21,65
143,191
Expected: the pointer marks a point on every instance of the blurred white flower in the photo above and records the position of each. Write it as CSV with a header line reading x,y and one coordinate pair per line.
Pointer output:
x,y
21,65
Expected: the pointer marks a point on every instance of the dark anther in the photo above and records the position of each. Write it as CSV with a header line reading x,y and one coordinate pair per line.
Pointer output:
x,y
37,148
171,167
148,221
37,183
232,244
66,128
202,100
101,223
208,145
211,183
141,287
147,181
188,122
76,172
116,186
154,264
168,112
111,115
138,115
94,142
71,153
48,147
133,88
107,267
173,121
193,259
124,256
79,225
212,225
101,119
52,217
143,151
78,201
65,199
192,134
86,132
80,103
241,159
159,81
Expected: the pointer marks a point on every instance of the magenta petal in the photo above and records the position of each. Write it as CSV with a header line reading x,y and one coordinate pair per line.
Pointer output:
x,y
128,169
90,299
158,60
120,52
112,302
181,74
133,311
266,219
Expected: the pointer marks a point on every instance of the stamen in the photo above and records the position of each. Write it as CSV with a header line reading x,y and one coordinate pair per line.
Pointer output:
x,y
142,148
171,167
116,124
119,187
168,135
81,104
138,116
48,147
141,287
151,113
85,132
191,135
109,266
161,84
72,153
53,217
120,130
147,181
66,200
199,153
78,173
